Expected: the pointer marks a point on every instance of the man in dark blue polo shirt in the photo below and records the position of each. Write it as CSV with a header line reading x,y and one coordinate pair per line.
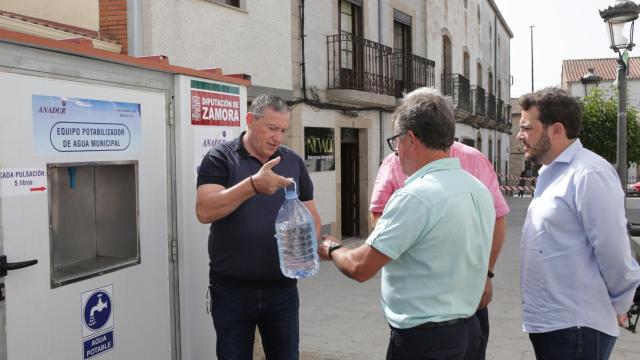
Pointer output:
x,y
239,194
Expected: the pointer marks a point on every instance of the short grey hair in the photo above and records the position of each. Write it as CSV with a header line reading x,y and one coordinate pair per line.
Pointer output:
x,y
265,101
429,115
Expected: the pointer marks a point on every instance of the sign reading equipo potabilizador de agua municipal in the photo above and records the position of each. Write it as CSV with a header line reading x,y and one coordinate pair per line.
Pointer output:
x,y
68,125
97,321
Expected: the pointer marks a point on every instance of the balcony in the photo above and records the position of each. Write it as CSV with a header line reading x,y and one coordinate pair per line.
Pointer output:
x,y
478,101
457,87
355,63
412,72
506,124
491,107
507,113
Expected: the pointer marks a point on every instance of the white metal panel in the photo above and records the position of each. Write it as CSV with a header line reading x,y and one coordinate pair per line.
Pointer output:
x,y
45,322
196,326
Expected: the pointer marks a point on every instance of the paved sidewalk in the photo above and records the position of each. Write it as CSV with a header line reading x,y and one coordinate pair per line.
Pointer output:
x,y
342,319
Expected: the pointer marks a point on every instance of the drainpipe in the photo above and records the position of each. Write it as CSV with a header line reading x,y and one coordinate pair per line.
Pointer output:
x,y
380,111
134,31
495,86
303,65
379,21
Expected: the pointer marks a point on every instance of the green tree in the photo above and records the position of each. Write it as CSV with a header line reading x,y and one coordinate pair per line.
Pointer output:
x,y
599,126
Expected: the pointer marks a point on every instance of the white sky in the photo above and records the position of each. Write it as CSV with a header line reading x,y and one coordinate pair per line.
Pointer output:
x,y
564,29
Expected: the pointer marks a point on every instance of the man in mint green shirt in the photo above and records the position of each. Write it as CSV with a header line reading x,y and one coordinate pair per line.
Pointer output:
x,y
432,240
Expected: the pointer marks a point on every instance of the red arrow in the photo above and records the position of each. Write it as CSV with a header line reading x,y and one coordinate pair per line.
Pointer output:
x,y
41,188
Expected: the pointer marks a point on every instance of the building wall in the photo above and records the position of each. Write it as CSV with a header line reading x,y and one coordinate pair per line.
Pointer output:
x,y
264,40
328,183
80,13
204,34
633,99
633,90
321,20
427,41
113,22
502,64
478,38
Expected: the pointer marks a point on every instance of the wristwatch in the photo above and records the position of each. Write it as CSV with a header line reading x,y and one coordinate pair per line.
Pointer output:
x,y
333,246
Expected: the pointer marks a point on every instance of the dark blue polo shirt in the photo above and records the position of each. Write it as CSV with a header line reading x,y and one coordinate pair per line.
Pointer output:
x,y
242,246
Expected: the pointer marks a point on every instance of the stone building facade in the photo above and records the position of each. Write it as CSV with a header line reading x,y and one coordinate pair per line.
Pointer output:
x,y
342,64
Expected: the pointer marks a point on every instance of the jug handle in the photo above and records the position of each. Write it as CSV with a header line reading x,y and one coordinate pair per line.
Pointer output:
x,y
288,193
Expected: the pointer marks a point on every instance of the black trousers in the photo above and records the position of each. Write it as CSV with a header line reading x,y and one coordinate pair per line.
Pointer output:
x,y
483,319
459,341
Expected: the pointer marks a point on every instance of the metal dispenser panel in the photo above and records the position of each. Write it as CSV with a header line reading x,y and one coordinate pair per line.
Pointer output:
x,y
93,219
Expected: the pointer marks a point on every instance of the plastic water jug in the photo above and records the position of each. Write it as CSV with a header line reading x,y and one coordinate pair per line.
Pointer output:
x,y
296,236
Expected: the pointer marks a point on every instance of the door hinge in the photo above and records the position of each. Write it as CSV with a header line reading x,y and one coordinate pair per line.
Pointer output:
x,y
173,250
171,112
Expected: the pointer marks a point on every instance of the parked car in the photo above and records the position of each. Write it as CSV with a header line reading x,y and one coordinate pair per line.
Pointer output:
x,y
633,208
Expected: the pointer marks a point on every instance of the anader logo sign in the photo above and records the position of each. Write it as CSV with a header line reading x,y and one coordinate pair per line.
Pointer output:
x,y
214,104
52,110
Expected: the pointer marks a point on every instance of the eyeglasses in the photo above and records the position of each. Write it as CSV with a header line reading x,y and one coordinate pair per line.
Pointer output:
x,y
393,141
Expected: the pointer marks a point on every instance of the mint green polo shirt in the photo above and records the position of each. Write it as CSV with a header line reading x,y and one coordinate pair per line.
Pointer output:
x,y
437,229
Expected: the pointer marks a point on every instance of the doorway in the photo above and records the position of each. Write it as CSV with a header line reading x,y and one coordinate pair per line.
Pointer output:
x,y
350,190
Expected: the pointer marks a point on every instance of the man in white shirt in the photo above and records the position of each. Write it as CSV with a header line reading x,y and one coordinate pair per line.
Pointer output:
x,y
577,273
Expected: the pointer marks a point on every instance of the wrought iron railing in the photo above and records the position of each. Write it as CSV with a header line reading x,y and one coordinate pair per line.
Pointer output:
x,y
359,64
500,111
411,72
491,107
457,86
478,101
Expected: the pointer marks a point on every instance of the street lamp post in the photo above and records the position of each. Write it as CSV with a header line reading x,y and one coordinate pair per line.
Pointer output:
x,y
620,19
531,28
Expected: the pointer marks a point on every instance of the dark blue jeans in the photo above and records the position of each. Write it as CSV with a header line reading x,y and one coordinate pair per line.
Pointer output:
x,y
237,311
576,343
483,319
455,342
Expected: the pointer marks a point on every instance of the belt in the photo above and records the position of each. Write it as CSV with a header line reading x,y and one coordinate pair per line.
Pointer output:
x,y
432,325
222,280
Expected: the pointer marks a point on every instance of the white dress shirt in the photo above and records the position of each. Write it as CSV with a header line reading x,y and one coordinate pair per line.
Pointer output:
x,y
576,265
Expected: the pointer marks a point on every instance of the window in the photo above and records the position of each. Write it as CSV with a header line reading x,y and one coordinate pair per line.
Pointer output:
x,y
491,151
478,14
490,85
350,24
466,3
479,75
467,70
447,79
402,52
446,55
499,155
234,3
